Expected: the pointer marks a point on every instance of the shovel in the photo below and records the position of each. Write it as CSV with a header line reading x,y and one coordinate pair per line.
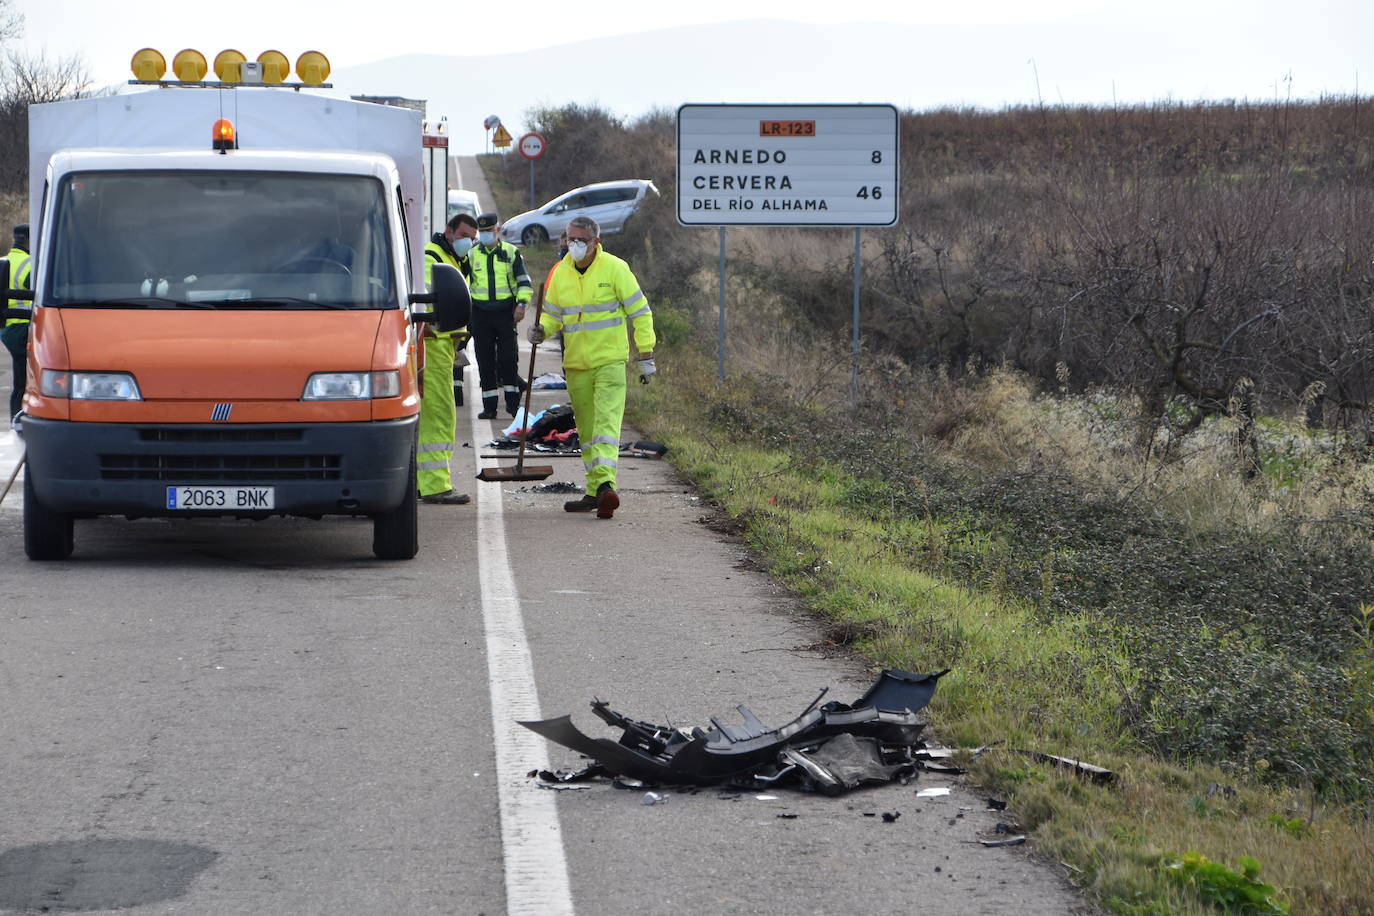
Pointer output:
x,y
520,472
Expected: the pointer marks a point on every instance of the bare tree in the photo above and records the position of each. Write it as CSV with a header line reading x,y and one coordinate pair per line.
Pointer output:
x,y
29,80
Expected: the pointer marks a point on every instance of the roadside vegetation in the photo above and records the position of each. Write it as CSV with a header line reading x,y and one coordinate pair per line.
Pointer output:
x,y
1110,461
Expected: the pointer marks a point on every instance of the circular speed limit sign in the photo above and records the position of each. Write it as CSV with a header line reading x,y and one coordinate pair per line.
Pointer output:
x,y
531,146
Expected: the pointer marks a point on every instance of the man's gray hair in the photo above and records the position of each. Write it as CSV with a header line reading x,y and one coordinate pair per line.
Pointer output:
x,y
585,222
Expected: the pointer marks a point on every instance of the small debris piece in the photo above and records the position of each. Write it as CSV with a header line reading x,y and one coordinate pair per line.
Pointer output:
x,y
870,814
932,792
996,804
558,486
1009,841
653,798
787,817
890,817
1094,773
765,798
562,787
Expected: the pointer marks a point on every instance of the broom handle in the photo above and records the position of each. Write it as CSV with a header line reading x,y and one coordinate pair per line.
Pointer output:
x,y
529,383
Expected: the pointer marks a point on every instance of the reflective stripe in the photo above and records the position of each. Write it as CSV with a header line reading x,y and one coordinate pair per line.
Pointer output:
x,y
490,393
431,465
605,440
637,312
593,325
601,463
590,307
551,309
639,294
510,388
435,447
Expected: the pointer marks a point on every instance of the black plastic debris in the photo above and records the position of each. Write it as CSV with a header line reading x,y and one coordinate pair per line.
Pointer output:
x,y
1009,841
1088,770
880,731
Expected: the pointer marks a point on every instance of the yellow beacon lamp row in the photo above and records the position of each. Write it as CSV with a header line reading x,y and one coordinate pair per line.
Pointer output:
x,y
189,66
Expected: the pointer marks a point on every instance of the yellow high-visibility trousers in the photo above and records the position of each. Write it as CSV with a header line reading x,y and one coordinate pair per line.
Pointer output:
x,y
438,418
598,403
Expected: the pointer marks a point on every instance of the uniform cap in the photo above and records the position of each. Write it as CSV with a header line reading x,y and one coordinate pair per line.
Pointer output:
x,y
487,221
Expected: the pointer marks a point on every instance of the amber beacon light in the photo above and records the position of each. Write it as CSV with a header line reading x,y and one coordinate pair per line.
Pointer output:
x,y
228,64
223,136
148,65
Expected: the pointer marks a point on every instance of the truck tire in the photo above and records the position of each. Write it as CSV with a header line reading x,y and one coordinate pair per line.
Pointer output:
x,y
48,535
396,534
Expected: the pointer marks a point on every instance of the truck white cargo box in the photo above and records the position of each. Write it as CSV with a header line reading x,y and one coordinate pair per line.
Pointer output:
x,y
181,118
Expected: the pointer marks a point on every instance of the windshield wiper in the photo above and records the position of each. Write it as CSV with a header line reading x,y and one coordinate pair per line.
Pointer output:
x,y
148,302
269,301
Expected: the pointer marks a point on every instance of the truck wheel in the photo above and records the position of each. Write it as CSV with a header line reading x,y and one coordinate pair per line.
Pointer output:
x,y
533,235
48,535
396,534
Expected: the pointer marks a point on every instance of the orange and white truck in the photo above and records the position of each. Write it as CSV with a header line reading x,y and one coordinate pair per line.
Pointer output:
x,y
224,310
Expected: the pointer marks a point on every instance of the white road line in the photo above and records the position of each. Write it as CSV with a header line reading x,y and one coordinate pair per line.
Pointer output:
x,y
11,450
531,839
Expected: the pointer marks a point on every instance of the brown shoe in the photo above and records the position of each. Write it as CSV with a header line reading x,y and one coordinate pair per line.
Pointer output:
x,y
607,501
585,503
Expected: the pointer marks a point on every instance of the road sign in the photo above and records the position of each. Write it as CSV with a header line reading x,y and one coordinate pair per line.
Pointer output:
x,y
531,146
501,137
490,121
787,165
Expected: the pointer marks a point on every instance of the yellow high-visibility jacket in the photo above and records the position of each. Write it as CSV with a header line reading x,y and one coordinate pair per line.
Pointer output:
x,y
438,254
592,309
21,277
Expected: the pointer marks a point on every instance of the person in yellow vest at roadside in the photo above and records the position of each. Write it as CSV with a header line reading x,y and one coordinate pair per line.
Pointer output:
x,y
591,297
438,413
16,332
500,289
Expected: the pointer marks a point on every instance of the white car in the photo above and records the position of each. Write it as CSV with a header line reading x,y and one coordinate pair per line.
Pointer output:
x,y
460,201
610,203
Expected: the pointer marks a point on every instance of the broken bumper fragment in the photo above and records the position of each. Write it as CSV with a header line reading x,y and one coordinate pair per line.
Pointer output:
x,y
880,730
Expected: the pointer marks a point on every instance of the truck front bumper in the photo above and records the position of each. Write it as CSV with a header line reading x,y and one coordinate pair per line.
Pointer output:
x,y
126,468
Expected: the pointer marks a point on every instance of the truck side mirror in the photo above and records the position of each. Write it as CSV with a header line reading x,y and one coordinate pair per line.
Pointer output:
x,y
449,297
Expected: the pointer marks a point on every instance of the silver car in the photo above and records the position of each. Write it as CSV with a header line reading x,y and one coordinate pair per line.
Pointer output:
x,y
610,203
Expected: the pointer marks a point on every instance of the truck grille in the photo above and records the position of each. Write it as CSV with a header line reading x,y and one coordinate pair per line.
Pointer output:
x,y
220,468
252,434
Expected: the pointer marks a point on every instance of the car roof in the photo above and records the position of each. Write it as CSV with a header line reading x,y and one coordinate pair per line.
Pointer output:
x,y
609,184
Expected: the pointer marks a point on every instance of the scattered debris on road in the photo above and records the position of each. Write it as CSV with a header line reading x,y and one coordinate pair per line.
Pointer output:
x,y
831,748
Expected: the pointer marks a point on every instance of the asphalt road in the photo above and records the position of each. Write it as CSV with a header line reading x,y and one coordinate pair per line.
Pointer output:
x,y
236,717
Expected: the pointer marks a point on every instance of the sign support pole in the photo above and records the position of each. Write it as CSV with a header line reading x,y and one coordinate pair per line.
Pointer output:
x,y
720,344
858,271
532,202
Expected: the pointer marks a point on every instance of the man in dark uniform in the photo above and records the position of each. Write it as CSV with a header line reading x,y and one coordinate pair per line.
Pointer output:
x,y
500,289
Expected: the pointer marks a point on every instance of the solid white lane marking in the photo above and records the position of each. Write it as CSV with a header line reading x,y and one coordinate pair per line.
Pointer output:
x,y
531,838
11,450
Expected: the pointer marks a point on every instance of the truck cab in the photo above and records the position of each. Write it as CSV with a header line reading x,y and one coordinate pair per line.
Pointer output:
x,y
227,331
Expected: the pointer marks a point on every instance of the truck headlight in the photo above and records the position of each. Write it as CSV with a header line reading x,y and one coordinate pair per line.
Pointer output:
x,y
352,386
89,386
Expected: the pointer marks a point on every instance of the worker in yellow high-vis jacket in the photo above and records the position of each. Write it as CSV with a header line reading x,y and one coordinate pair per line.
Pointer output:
x,y
592,296
16,329
438,413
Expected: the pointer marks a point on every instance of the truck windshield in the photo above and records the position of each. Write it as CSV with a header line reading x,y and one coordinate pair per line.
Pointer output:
x,y
168,239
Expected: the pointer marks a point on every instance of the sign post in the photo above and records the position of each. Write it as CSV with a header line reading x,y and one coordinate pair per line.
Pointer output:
x,y
788,165
531,146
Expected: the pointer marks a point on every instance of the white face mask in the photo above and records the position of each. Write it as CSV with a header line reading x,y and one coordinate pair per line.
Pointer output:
x,y
486,238
578,249
462,246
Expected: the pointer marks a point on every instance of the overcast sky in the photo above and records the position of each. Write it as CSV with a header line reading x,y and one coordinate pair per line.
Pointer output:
x,y
1080,51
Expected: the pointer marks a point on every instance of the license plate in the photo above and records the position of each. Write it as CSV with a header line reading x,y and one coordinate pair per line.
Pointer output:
x,y
221,497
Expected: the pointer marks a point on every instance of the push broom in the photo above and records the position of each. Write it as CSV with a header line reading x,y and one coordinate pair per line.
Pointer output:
x,y
520,472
